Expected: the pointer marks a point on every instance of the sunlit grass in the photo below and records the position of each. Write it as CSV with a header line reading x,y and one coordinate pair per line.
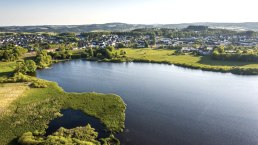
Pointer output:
x,y
200,62
26,109
39,106
8,94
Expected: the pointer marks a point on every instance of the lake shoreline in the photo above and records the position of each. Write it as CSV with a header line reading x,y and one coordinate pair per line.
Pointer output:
x,y
113,107
171,104
233,70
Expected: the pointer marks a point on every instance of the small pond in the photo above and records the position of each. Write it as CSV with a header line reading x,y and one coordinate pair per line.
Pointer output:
x,y
76,118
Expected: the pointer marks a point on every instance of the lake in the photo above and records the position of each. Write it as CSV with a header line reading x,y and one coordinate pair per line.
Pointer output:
x,y
170,105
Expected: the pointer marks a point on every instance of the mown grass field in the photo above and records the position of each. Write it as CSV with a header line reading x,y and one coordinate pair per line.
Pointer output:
x,y
6,68
29,109
8,94
200,62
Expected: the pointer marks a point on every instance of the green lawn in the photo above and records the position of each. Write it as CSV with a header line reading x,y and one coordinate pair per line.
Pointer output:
x,y
199,62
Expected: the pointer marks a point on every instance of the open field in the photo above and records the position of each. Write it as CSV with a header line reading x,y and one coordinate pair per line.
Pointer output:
x,y
8,94
198,62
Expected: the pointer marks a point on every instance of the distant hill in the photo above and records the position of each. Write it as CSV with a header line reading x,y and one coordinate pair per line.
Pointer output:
x,y
124,27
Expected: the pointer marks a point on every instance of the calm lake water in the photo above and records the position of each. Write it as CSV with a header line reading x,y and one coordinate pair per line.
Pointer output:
x,y
169,105
76,118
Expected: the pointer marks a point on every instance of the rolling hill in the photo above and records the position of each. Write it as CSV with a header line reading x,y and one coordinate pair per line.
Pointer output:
x,y
123,27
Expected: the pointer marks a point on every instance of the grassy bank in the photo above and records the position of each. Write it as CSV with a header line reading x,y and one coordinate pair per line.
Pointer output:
x,y
25,109
196,62
38,106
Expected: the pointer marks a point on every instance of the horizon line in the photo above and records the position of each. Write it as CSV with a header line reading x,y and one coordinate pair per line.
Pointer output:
x,y
35,25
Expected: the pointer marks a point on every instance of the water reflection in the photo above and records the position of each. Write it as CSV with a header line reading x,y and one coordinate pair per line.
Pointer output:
x,y
168,104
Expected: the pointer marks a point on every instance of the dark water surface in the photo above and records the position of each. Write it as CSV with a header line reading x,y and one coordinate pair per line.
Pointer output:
x,y
76,118
169,105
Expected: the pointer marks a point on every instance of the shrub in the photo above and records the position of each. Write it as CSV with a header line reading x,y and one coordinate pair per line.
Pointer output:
x,y
43,59
38,84
28,66
80,135
29,139
111,140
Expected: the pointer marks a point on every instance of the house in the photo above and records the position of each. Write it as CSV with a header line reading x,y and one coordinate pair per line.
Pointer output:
x,y
166,41
205,50
102,44
188,49
75,48
141,44
230,51
247,43
209,48
111,43
51,50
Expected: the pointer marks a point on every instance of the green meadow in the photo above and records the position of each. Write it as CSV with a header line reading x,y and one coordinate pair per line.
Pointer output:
x,y
191,61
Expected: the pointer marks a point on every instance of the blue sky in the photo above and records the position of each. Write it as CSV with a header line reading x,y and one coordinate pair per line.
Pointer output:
x,y
68,12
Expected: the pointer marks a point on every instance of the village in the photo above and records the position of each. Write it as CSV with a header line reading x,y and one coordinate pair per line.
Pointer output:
x,y
202,45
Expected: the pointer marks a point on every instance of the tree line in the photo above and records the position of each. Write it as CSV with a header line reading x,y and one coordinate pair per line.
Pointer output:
x,y
11,52
220,53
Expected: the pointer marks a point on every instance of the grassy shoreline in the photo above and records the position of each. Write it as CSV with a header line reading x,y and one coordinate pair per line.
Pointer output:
x,y
205,63
38,106
34,108
168,56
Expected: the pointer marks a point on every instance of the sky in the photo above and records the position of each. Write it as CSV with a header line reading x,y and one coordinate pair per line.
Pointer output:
x,y
78,12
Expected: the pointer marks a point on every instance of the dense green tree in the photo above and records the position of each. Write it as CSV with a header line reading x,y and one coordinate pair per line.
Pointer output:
x,y
43,59
110,48
122,52
90,52
220,49
29,66
108,54
121,45
21,67
11,53
146,44
45,46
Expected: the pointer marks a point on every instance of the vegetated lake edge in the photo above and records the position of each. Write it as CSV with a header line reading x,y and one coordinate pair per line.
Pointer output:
x,y
234,70
28,116
42,97
167,99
